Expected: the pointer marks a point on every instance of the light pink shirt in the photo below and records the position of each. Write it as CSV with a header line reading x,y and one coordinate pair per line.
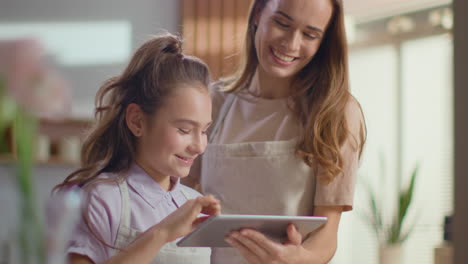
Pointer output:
x,y
149,204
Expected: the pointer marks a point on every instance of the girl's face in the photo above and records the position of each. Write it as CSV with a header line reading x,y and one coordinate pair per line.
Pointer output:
x,y
289,33
175,135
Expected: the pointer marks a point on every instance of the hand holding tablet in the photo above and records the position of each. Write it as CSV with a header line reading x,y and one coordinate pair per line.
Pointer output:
x,y
212,232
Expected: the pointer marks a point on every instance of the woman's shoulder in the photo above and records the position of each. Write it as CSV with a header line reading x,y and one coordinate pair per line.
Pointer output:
x,y
355,120
218,95
353,110
217,90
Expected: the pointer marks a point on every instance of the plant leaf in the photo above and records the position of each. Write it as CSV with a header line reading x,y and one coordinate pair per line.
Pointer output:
x,y
405,199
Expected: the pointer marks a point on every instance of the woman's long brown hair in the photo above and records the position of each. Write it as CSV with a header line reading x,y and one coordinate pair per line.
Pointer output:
x,y
154,71
320,93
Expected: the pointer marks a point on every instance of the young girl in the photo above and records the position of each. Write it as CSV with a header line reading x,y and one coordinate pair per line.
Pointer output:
x,y
151,126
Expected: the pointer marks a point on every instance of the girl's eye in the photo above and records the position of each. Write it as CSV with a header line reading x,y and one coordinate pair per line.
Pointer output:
x,y
184,131
281,23
309,36
204,132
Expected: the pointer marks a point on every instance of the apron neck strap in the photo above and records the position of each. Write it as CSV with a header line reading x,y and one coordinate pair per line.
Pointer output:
x,y
221,116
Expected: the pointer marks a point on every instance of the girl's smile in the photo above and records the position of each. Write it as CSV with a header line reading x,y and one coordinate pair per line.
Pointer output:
x,y
186,161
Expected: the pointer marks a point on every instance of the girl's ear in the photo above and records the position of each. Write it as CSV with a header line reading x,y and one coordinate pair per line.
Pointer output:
x,y
134,117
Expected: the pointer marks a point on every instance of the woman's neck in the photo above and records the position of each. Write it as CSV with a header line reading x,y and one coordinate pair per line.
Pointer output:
x,y
264,86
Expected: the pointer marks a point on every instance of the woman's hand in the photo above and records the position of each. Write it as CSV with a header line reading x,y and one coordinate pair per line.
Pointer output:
x,y
185,219
319,246
257,248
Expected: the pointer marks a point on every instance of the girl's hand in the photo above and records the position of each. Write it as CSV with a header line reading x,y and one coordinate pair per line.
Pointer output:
x,y
185,219
257,248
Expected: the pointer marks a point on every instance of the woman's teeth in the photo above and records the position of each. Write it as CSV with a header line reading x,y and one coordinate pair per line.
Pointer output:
x,y
283,57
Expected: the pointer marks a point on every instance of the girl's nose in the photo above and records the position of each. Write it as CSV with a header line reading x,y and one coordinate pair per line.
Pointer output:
x,y
198,144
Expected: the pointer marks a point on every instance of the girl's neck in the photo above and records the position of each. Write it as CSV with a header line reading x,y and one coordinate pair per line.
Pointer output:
x,y
163,180
265,86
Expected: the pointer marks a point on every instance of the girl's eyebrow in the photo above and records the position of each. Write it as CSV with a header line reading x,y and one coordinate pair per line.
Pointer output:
x,y
192,122
279,12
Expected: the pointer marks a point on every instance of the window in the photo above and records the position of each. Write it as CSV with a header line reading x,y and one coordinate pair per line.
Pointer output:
x,y
405,88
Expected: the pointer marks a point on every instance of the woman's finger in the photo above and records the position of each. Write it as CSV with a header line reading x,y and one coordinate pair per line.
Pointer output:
x,y
243,250
269,246
294,236
253,247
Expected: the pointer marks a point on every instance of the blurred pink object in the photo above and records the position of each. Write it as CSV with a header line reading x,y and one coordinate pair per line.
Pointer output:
x,y
30,81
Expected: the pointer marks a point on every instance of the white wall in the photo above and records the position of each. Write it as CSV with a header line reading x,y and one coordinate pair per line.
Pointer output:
x,y
145,17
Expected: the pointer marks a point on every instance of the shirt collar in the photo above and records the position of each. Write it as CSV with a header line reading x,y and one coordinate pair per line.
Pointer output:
x,y
147,188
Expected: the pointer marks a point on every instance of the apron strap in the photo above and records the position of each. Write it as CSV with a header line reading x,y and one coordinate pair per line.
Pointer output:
x,y
125,212
221,116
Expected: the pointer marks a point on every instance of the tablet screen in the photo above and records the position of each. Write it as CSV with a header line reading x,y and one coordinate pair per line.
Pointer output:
x,y
212,232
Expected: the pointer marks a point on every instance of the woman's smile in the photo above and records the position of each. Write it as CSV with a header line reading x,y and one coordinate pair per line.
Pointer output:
x,y
282,58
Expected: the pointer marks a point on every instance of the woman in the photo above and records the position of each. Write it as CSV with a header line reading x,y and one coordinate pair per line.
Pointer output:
x,y
287,134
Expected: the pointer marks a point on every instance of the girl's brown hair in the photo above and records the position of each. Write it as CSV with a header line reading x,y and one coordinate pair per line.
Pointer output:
x,y
154,71
320,93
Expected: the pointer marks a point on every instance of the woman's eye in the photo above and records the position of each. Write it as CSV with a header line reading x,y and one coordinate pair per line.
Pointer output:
x,y
204,132
184,131
281,23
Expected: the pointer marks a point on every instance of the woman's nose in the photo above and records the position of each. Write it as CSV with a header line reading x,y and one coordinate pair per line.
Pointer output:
x,y
292,41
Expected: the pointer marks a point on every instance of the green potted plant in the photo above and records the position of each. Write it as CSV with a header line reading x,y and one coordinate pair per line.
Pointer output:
x,y
29,90
391,233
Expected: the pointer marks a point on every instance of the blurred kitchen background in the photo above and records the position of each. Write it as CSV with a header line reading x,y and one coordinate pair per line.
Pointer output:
x,y
401,66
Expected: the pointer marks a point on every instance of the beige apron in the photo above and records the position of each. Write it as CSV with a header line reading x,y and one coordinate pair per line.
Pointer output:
x,y
170,253
255,178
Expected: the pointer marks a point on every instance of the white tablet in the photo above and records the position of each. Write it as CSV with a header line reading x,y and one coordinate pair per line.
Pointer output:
x,y
212,232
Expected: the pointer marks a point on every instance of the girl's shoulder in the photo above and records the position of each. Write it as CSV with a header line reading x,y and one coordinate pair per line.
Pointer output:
x,y
191,193
104,191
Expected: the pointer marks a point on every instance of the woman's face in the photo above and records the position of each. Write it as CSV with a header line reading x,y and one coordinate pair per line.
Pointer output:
x,y
176,134
289,33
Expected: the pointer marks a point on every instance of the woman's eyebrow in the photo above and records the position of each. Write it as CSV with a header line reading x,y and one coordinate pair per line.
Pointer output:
x,y
279,12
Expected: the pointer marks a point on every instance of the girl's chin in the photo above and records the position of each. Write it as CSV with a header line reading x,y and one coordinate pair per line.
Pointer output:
x,y
182,174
